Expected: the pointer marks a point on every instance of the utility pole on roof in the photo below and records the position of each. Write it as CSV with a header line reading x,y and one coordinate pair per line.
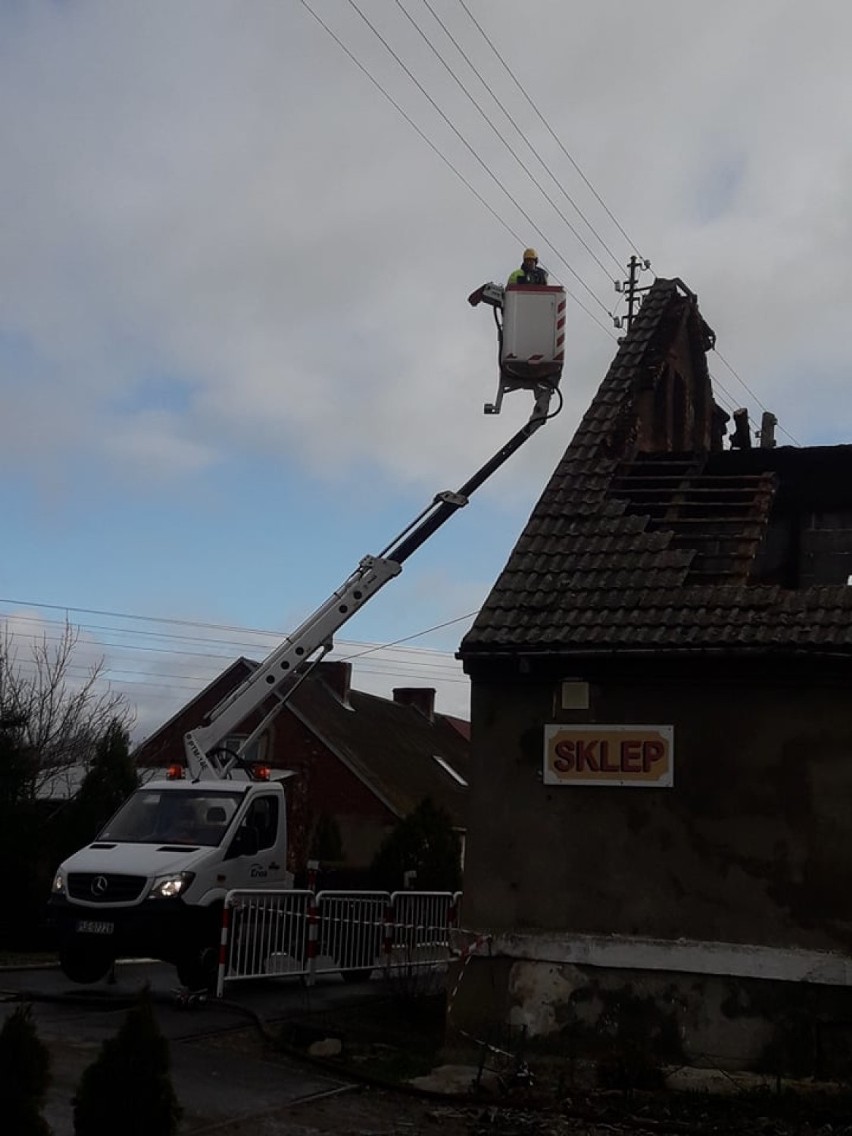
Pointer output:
x,y
630,288
632,284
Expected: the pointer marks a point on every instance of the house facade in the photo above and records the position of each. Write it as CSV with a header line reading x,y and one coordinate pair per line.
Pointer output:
x,y
361,762
658,837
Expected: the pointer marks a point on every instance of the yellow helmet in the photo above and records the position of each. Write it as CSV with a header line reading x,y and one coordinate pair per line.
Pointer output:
x,y
530,254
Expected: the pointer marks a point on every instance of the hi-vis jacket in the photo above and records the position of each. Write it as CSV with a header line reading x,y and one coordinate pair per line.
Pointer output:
x,y
534,276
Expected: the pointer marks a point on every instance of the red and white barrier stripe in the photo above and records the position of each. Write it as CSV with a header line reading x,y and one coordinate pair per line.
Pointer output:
x,y
560,330
465,955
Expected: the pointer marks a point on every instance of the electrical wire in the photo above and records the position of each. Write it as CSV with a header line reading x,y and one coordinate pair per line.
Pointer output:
x,y
549,128
746,387
443,669
107,671
501,138
435,149
531,148
277,635
473,152
409,667
408,638
592,189
477,157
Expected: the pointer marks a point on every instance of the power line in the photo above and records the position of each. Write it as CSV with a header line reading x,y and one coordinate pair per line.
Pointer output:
x,y
407,638
443,669
404,670
549,128
587,182
442,156
530,146
490,123
472,151
746,387
131,615
277,635
390,666
477,157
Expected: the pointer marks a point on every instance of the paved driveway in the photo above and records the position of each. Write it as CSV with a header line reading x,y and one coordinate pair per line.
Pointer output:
x,y
216,1078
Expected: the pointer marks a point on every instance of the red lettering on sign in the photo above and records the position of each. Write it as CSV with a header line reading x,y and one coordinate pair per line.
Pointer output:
x,y
631,756
651,751
564,760
605,765
586,755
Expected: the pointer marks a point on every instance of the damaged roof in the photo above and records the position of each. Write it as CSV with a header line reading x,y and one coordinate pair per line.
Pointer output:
x,y
651,536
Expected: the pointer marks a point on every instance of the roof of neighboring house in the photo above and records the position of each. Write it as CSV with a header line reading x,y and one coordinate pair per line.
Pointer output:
x,y
165,744
392,748
635,548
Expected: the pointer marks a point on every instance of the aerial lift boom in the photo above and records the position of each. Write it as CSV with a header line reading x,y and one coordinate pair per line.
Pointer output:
x,y
281,672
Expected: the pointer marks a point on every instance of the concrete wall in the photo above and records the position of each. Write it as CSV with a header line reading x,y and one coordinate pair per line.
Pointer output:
x,y
615,1019
752,845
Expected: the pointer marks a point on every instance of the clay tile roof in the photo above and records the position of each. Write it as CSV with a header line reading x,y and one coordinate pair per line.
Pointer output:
x,y
630,549
393,748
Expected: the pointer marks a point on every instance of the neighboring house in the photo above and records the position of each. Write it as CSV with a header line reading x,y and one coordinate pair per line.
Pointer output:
x,y
659,836
362,762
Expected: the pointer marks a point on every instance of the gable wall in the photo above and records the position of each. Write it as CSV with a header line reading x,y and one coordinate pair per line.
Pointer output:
x,y
673,398
165,746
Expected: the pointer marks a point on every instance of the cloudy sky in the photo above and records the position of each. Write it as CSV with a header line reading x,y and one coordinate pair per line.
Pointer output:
x,y
235,348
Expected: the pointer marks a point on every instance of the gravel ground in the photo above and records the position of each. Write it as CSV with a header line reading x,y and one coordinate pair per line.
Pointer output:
x,y
361,1110
371,1112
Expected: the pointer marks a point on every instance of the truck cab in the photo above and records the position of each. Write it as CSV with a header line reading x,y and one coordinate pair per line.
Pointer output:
x,y
152,883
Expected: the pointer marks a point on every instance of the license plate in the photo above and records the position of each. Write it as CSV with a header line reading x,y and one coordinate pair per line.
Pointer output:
x,y
94,927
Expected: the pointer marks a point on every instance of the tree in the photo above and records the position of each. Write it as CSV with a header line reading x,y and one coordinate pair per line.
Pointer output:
x,y
50,724
24,1075
128,1088
111,778
57,720
423,842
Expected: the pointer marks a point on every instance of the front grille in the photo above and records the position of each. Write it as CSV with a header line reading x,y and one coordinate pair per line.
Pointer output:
x,y
104,887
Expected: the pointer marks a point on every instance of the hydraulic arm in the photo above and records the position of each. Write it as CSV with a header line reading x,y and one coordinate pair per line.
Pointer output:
x,y
279,674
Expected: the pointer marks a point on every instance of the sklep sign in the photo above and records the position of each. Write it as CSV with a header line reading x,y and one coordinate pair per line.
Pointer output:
x,y
640,756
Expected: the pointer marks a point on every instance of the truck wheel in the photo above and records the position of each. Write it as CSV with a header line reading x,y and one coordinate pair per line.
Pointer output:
x,y
198,969
82,964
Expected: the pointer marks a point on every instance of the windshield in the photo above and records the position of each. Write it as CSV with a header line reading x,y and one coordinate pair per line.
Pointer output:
x,y
163,816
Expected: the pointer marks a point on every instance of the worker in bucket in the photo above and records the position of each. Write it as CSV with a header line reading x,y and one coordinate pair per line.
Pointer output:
x,y
529,272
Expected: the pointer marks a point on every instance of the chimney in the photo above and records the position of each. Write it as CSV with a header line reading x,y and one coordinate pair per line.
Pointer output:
x,y
337,676
422,698
741,437
768,422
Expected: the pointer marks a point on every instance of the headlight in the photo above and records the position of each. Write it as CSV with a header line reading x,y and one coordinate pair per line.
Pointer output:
x,y
58,887
169,887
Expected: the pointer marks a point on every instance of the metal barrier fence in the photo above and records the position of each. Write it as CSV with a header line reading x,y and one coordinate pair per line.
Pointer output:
x,y
287,932
421,925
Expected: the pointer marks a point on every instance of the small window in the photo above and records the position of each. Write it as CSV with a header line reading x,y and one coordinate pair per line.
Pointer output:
x,y
256,753
575,695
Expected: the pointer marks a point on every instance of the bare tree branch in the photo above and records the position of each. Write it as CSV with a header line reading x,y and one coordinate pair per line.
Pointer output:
x,y
59,720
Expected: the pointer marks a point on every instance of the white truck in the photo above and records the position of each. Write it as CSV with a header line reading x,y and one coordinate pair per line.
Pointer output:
x,y
153,882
